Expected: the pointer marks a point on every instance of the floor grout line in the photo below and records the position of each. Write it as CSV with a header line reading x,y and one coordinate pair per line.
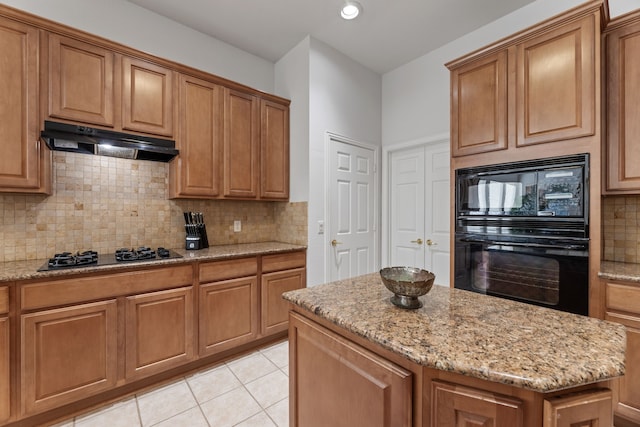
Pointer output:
x,y
260,352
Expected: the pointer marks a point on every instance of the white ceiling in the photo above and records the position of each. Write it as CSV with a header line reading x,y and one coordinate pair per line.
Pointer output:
x,y
388,34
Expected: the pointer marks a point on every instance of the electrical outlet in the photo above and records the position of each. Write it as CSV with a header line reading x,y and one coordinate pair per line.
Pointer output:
x,y
237,226
320,227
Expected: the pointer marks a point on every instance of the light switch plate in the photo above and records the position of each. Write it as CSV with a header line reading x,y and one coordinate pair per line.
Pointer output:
x,y
237,226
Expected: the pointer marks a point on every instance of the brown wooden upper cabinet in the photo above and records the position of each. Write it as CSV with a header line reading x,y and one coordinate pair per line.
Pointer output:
x,y
274,150
25,165
81,81
196,172
622,53
537,87
147,97
479,105
233,144
241,144
91,84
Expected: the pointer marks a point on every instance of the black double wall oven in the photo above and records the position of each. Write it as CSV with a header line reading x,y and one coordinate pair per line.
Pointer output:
x,y
522,232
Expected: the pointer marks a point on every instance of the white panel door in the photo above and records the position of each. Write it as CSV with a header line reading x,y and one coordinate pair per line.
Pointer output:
x,y
437,196
407,213
419,195
352,233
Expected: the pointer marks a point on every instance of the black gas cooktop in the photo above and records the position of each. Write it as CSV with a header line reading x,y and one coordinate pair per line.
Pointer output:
x,y
121,256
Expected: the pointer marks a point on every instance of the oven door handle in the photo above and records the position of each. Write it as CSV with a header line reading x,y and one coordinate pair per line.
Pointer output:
x,y
527,245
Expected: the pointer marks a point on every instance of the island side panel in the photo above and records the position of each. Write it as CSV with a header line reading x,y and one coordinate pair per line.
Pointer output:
x,y
423,378
324,364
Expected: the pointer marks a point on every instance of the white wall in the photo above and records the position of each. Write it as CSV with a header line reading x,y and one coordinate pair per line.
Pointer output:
x,y
133,26
415,96
620,7
292,82
345,99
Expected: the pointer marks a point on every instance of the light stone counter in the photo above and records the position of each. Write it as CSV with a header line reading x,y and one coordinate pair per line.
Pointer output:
x,y
26,270
484,337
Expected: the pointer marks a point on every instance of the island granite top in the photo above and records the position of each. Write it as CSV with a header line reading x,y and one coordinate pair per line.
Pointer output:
x,y
490,338
26,270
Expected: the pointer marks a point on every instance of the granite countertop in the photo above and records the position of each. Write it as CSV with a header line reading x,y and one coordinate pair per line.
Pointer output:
x,y
627,272
467,333
26,270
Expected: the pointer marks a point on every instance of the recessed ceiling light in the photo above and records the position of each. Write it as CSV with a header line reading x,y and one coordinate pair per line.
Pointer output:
x,y
350,10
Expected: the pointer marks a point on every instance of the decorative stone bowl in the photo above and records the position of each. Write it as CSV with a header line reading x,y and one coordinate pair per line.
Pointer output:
x,y
407,284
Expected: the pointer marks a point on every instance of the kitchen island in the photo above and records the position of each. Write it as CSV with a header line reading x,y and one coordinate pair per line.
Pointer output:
x,y
461,359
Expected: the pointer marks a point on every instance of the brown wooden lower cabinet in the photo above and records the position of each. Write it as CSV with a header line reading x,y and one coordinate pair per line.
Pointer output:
x,y
338,383
5,389
581,409
159,331
85,337
68,354
275,310
228,314
455,405
623,306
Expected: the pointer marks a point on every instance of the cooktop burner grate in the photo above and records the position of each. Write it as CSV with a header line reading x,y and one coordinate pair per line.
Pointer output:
x,y
92,258
67,259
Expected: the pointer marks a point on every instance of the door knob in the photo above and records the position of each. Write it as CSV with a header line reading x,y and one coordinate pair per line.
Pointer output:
x,y
334,242
419,241
430,243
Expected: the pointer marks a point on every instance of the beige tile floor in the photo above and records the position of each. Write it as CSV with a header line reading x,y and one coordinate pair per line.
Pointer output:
x,y
249,391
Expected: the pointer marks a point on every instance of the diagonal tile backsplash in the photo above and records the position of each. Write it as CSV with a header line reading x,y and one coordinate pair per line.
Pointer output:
x,y
103,203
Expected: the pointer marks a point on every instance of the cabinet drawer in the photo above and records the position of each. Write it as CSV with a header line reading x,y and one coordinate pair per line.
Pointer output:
x,y
284,261
74,290
623,297
229,269
4,300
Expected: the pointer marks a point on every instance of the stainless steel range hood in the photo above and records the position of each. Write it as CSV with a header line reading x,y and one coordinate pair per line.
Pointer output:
x,y
88,140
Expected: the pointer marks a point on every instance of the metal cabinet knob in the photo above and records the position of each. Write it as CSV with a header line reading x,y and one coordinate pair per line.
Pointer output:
x,y
419,241
334,242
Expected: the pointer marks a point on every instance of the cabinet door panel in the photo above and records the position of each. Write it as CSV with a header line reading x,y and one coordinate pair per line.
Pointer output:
x,y
241,139
159,331
200,138
371,391
275,310
556,84
80,81
68,354
593,408
479,117
623,110
228,314
147,97
20,166
274,151
629,385
627,388
5,389
455,405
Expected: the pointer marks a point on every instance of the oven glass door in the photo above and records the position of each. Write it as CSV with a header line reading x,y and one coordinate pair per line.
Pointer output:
x,y
549,275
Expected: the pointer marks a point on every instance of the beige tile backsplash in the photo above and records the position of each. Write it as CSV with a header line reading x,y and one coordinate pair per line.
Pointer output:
x,y
621,221
103,203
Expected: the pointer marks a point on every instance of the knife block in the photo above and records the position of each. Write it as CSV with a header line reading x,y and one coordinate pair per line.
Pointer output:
x,y
196,234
